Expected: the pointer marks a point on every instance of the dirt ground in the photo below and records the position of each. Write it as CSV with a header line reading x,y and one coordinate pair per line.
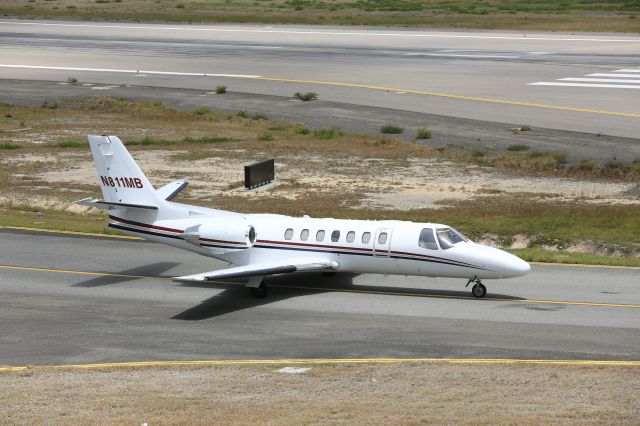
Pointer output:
x,y
365,183
335,394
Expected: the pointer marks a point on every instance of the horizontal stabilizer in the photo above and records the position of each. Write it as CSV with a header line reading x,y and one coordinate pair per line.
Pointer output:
x,y
92,202
169,191
262,269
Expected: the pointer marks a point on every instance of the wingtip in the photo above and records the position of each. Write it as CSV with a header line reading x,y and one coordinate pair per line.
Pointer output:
x,y
190,278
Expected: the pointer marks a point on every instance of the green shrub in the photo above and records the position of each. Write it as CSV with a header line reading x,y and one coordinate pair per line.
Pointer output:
x,y
518,147
243,113
259,116
72,80
332,133
391,129
221,90
72,144
423,134
301,130
203,111
148,141
588,165
265,137
9,146
207,139
525,128
309,96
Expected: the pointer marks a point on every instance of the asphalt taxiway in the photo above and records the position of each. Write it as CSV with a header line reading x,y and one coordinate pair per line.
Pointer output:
x,y
68,299
587,83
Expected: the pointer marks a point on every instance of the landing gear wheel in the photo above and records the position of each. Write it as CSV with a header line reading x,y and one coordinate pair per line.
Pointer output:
x,y
259,292
478,290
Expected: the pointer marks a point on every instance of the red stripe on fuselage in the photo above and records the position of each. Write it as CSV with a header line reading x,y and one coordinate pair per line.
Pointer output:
x,y
314,245
284,243
145,225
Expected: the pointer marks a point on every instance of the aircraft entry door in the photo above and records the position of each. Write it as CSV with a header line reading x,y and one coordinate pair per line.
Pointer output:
x,y
382,242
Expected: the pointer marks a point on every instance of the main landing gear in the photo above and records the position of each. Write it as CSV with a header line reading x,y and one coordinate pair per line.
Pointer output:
x,y
478,289
258,287
259,292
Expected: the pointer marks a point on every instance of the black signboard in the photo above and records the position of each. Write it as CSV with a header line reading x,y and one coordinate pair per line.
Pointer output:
x,y
258,174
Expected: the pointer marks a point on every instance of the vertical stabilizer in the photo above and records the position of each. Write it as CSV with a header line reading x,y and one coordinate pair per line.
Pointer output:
x,y
120,178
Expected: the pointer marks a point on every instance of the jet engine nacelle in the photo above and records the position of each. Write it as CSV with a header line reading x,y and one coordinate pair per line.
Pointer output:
x,y
221,237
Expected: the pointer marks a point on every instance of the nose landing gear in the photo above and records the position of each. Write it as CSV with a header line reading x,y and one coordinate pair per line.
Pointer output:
x,y
478,289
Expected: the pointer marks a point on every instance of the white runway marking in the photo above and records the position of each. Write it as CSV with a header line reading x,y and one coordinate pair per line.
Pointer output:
x,y
617,79
523,37
599,80
610,86
294,370
137,72
606,74
461,55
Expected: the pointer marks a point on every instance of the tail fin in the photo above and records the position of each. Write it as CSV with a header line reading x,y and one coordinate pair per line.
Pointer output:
x,y
121,180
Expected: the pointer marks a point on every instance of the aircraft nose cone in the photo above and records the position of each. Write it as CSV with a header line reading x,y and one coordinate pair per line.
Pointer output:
x,y
513,266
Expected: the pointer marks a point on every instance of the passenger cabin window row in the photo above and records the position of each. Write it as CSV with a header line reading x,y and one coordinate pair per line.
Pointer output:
x,y
335,236
430,239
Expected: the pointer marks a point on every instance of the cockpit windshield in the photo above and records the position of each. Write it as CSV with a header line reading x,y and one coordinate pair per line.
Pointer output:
x,y
448,237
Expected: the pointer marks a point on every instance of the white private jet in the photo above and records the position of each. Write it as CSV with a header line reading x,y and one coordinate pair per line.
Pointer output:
x,y
269,244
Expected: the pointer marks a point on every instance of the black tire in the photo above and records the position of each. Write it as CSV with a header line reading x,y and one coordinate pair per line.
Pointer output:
x,y
259,292
478,290
329,274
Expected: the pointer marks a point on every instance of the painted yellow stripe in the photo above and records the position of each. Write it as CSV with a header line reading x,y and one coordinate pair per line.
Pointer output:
x,y
71,271
127,237
325,361
443,296
84,234
583,265
337,290
451,96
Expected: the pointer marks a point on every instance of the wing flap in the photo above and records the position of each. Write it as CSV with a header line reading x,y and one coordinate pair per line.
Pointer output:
x,y
262,269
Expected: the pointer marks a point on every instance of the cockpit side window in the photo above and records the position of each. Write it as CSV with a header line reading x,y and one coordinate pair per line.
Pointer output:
x,y
448,237
427,240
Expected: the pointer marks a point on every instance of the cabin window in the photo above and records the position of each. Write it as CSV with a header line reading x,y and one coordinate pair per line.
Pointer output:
x,y
288,234
427,240
335,236
320,235
304,235
351,236
382,238
448,237
366,237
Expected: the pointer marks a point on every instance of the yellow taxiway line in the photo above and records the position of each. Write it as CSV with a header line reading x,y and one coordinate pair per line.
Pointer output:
x,y
317,361
84,234
337,290
448,95
127,237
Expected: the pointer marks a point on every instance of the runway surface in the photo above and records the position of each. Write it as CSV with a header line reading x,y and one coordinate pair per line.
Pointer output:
x,y
586,83
70,299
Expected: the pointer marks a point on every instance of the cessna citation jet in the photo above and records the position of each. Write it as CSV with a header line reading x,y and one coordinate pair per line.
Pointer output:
x,y
267,244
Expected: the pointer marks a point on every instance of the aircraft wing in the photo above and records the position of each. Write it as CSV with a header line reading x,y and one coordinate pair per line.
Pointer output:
x,y
263,269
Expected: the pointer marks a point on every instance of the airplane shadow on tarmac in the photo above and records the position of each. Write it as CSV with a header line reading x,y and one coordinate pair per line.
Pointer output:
x,y
237,297
150,270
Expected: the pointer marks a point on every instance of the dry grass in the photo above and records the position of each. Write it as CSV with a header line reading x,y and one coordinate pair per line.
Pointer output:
x,y
569,15
353,394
